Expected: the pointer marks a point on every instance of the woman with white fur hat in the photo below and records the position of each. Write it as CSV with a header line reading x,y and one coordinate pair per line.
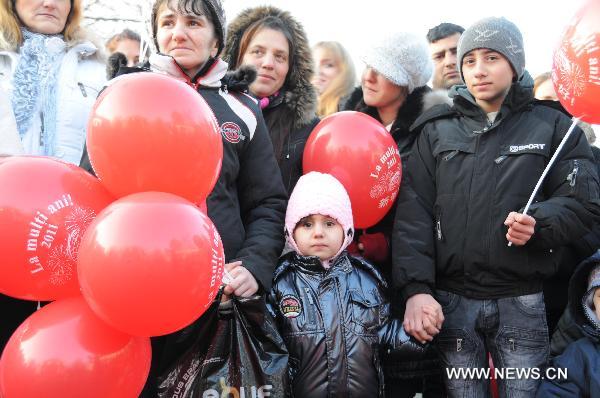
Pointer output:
x,y
394,91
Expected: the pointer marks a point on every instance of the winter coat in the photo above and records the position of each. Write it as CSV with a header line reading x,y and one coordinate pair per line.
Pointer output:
x,y
466,175
582,357
291,116
80,78
334,322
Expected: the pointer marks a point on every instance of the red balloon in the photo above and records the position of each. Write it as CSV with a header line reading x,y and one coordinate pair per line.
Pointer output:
x,y
45,207
358,151
576,66
150,264
64,351
150,132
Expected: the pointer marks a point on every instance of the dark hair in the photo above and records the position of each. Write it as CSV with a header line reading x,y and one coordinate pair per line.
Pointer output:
x,y
188,7
443,30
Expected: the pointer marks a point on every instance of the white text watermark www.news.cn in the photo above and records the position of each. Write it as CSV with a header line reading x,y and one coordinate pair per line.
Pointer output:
x,y
506,373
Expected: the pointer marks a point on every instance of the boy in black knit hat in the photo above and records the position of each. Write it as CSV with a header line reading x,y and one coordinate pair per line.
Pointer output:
x,y
472,169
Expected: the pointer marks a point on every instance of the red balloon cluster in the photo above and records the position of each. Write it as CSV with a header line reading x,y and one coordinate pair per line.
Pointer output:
x,y
576,66
146,264
358,151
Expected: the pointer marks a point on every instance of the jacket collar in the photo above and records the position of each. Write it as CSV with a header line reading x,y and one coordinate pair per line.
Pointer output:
x,y
312,264
519,96
167,65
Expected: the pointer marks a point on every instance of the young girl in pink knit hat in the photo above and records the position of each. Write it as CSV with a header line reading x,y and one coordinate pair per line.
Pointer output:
x,y
331,308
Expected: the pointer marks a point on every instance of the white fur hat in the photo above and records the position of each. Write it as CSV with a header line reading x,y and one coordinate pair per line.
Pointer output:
x,y
403,58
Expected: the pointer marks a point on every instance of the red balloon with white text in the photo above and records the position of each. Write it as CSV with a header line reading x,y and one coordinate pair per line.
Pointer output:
x,y
576,66
358,151
45,207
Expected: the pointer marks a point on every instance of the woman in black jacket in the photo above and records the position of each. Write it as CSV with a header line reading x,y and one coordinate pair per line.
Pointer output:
x,y
248,202
273,42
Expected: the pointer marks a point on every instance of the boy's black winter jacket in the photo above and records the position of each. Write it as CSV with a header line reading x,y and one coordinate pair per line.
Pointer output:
x,y
468,175
333,322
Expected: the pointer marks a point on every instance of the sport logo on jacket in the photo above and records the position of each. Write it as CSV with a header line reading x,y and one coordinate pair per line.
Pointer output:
x,y
232,132
290,306
519,148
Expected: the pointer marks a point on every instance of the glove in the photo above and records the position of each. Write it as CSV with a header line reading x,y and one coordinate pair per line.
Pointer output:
x,y
374,248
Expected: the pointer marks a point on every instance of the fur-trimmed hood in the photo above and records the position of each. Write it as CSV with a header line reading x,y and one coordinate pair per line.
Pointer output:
x,y
300,95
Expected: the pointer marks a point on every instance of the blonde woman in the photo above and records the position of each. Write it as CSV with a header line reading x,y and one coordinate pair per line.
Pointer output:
x,y
50,76
334,77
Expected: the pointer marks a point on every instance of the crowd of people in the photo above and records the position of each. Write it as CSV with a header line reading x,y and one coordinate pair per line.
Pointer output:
x,y
455,273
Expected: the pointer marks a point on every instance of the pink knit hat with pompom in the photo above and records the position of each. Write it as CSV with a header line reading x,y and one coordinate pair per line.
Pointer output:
x,y
318,193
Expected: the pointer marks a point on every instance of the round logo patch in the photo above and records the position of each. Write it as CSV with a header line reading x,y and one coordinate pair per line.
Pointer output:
x,y
232,132
290,306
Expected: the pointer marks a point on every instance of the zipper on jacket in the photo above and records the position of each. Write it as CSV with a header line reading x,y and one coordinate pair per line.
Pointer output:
x,y
438,226
310,299
451,155
572,177
500,159
310,312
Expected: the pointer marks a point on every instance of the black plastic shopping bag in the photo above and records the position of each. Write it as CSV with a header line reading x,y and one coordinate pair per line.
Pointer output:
x,y
239,355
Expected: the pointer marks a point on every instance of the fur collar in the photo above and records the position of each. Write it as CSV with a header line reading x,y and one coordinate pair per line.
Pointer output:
x,y
299,95
417,102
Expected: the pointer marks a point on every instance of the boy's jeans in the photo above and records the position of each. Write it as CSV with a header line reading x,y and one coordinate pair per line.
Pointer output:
x,y
512,329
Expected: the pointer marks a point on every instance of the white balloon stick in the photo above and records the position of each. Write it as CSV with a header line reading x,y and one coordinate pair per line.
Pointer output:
x,y
550,163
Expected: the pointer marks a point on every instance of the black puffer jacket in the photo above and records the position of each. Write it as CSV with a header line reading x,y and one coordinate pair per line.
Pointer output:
x,y
291,116
468,175
333,322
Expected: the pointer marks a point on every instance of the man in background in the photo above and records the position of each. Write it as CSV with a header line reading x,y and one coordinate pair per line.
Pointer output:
x,y
443,40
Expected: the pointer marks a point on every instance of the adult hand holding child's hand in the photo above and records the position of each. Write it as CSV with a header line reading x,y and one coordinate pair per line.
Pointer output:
x,y
241,283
